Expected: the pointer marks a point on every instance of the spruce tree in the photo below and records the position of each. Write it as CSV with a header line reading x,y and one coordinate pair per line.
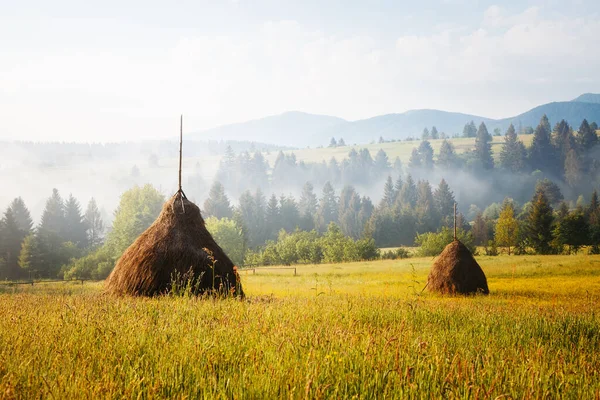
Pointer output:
x,y
483,147
425,135
573,169
563,139
426,213
273,218
434,133
93,224
217,205
328,208
389,193
513,156
480,230
381,163
75,229
539,223
10,245
308,207
408,195
586,137
22,216
426,155
415,159
444,202
53,217
541,152
447,158
289,214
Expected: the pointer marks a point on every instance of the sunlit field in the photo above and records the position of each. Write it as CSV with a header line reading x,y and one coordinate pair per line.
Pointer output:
x,y
360,330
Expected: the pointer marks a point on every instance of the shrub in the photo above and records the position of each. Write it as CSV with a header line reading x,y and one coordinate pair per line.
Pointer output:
x,y
433,243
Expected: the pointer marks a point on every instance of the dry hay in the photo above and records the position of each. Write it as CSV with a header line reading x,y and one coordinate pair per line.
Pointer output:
x,y
176,246
455,271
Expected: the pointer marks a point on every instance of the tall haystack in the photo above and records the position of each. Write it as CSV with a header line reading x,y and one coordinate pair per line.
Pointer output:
x,y
455,271
176,245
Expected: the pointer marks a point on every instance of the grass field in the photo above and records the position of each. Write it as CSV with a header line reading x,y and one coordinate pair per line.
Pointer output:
x,y
360,330
400,149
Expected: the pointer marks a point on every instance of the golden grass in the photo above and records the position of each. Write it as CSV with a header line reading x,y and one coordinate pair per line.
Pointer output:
x,y
357,330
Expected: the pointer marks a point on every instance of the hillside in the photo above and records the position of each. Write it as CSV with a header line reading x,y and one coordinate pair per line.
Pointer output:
x,y
588,98
300,129
292,128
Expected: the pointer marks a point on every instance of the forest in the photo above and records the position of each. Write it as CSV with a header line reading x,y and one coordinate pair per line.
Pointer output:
x,y
539,198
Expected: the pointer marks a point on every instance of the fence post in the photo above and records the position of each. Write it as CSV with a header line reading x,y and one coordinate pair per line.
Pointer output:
x,y
294,271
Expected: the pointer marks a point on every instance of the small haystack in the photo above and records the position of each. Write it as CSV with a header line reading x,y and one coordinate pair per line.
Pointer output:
x,y
455,271
176,246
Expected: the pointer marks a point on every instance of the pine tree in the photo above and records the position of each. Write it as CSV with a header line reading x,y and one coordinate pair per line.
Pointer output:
x,y
572,231
22,216
425,208
328,208
408,195
381,164
513,156
444,202
573,169
290,216
483,147
563,140
332,142
341,142
551,191
348,210
397,167
10,245
217,205
539,223
415,159
93,224
273,218
425,135
541,152
308,207
398,186
434,133
507,227
75,229
53,217
389,193
447,158
470,130
426,155
586,137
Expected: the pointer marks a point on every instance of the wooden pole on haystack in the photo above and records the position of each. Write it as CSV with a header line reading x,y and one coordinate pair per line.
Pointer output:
x,y
454,221
180,147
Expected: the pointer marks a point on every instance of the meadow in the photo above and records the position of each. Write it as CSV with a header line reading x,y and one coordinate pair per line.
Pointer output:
x,y
358,330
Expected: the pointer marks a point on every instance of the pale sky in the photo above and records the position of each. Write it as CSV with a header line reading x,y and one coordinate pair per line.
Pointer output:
x,y
119,70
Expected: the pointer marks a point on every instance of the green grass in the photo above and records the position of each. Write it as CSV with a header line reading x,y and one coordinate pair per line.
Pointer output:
x,y
361,330
400,149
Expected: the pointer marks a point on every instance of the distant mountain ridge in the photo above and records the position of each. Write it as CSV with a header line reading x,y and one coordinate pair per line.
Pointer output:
x,y
299,129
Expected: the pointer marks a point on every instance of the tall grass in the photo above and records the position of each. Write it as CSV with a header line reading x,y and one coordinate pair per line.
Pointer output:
x,y
360,330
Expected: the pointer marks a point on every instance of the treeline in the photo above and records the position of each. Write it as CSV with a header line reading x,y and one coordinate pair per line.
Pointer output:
x,y
563,155
64,233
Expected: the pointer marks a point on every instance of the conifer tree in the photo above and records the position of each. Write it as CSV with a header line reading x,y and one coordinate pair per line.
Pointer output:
x,y
93,224
22,216
289,214
425,208
307,207
75,229
53,217
328,208
586,137
539,223
381,163
10,245
573,169
426,155
408,195
389,193
415,159
434,133
272,217
513,156
444,202
541,152
447,158
563,139
470,130
217,204
425,135
483,147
